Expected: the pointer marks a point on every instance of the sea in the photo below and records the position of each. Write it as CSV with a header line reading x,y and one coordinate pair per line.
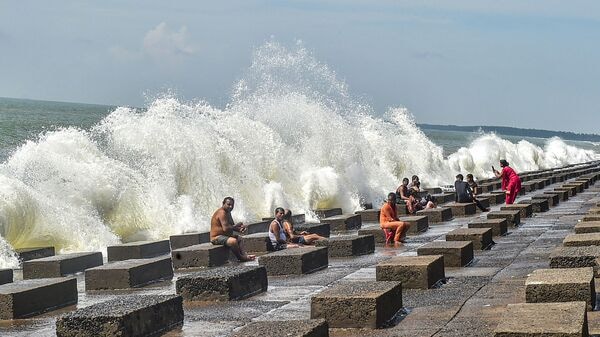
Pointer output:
x,y
81,177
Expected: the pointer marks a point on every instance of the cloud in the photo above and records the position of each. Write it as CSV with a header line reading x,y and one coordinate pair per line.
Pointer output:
x,y
162,44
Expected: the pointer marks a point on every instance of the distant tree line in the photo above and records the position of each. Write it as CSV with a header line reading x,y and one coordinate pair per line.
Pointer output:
x,y
504,130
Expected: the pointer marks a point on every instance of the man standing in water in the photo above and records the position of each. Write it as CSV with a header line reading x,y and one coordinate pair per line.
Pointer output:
x,y
222,227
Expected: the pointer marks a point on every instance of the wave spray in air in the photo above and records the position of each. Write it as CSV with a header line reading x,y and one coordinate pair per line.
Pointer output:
x,y
291,136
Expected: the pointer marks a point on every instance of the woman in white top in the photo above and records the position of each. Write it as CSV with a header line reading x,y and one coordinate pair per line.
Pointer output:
x,y
277,232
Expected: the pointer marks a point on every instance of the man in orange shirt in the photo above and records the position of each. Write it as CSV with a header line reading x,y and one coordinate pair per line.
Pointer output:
x,y
388,219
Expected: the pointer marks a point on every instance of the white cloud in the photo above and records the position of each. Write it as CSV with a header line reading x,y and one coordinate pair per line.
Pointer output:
x,y
162,44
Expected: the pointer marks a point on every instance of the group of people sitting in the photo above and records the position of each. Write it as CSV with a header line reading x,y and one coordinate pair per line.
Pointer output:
x,y
281,231
410,193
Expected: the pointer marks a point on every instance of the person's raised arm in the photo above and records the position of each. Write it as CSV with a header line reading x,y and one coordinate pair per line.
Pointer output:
x,y
496,173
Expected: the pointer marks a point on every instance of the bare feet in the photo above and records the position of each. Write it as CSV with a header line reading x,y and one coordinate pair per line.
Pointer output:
x,y
247,258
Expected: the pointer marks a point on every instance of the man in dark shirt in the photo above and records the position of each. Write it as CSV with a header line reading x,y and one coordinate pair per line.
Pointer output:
x,y
465,194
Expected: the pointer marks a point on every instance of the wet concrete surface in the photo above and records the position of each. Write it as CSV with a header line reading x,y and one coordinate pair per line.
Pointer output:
x,y
469,303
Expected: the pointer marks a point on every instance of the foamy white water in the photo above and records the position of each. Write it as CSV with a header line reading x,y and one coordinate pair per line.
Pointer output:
x,y
291,136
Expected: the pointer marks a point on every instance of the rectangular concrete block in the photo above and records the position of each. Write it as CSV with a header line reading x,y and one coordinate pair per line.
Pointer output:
x,y
480,237
537,205
513,218
129,273
587,227
348,245
572,190
61,265
418,223
358,304
228,283
552,198
584,181
591,217
401,208
587,239
441,198
578,186
420,272
456,253
594,210
257,227
6,276
28,298
369,215
493,198
202,255
253,243
488,187
437,215
189,239
138,250
559,285
564,194
498,226
567,319
327,212
26,254
542,183
295,261
291,328
462,209
343,222
525,209
376,231
576,257
322,229
131,315
529,186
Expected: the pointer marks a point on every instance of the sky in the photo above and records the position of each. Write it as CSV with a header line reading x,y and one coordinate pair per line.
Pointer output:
x,y
531,64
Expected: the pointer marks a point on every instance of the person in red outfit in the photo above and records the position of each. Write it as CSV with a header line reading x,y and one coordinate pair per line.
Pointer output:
x,y
388,219
511,183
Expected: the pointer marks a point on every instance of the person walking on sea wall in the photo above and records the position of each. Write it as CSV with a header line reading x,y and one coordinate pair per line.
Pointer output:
x,y
511,183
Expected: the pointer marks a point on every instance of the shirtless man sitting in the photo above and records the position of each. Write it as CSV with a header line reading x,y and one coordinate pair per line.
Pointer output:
x,y
222,227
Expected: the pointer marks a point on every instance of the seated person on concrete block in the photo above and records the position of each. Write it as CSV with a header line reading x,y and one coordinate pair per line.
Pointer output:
x,y
415,184
388,220
473,185
303,238
428,201
465,194
222,227
402,191
413,204
277,235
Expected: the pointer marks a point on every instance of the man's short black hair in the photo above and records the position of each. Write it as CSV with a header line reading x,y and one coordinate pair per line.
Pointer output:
x,y
279,209
228,198
391,195
459,176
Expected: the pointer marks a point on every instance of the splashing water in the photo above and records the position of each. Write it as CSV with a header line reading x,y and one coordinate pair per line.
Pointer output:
x,y
291,136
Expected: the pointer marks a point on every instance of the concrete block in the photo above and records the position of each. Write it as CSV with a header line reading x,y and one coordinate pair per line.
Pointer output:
x,y
591,217
188,239
537,205
369,215
529,186
253,243
576,257
485,202
552,198
587,239
542,183
401,208
584,181
322,229
131,315
28,298
26,254
202,255
564,194
462,209
456,253
480,237
513,218
358,304
594,210
445,197
61,265
578,186
343,222
257,227
328,212
418,223
420,272
557,285
348,245
493,198
572,190
376,231
525,209
6,276
567,319
291,328
437,215
228,283
295,261
498,226
129,273
138,250
488,187
587,227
